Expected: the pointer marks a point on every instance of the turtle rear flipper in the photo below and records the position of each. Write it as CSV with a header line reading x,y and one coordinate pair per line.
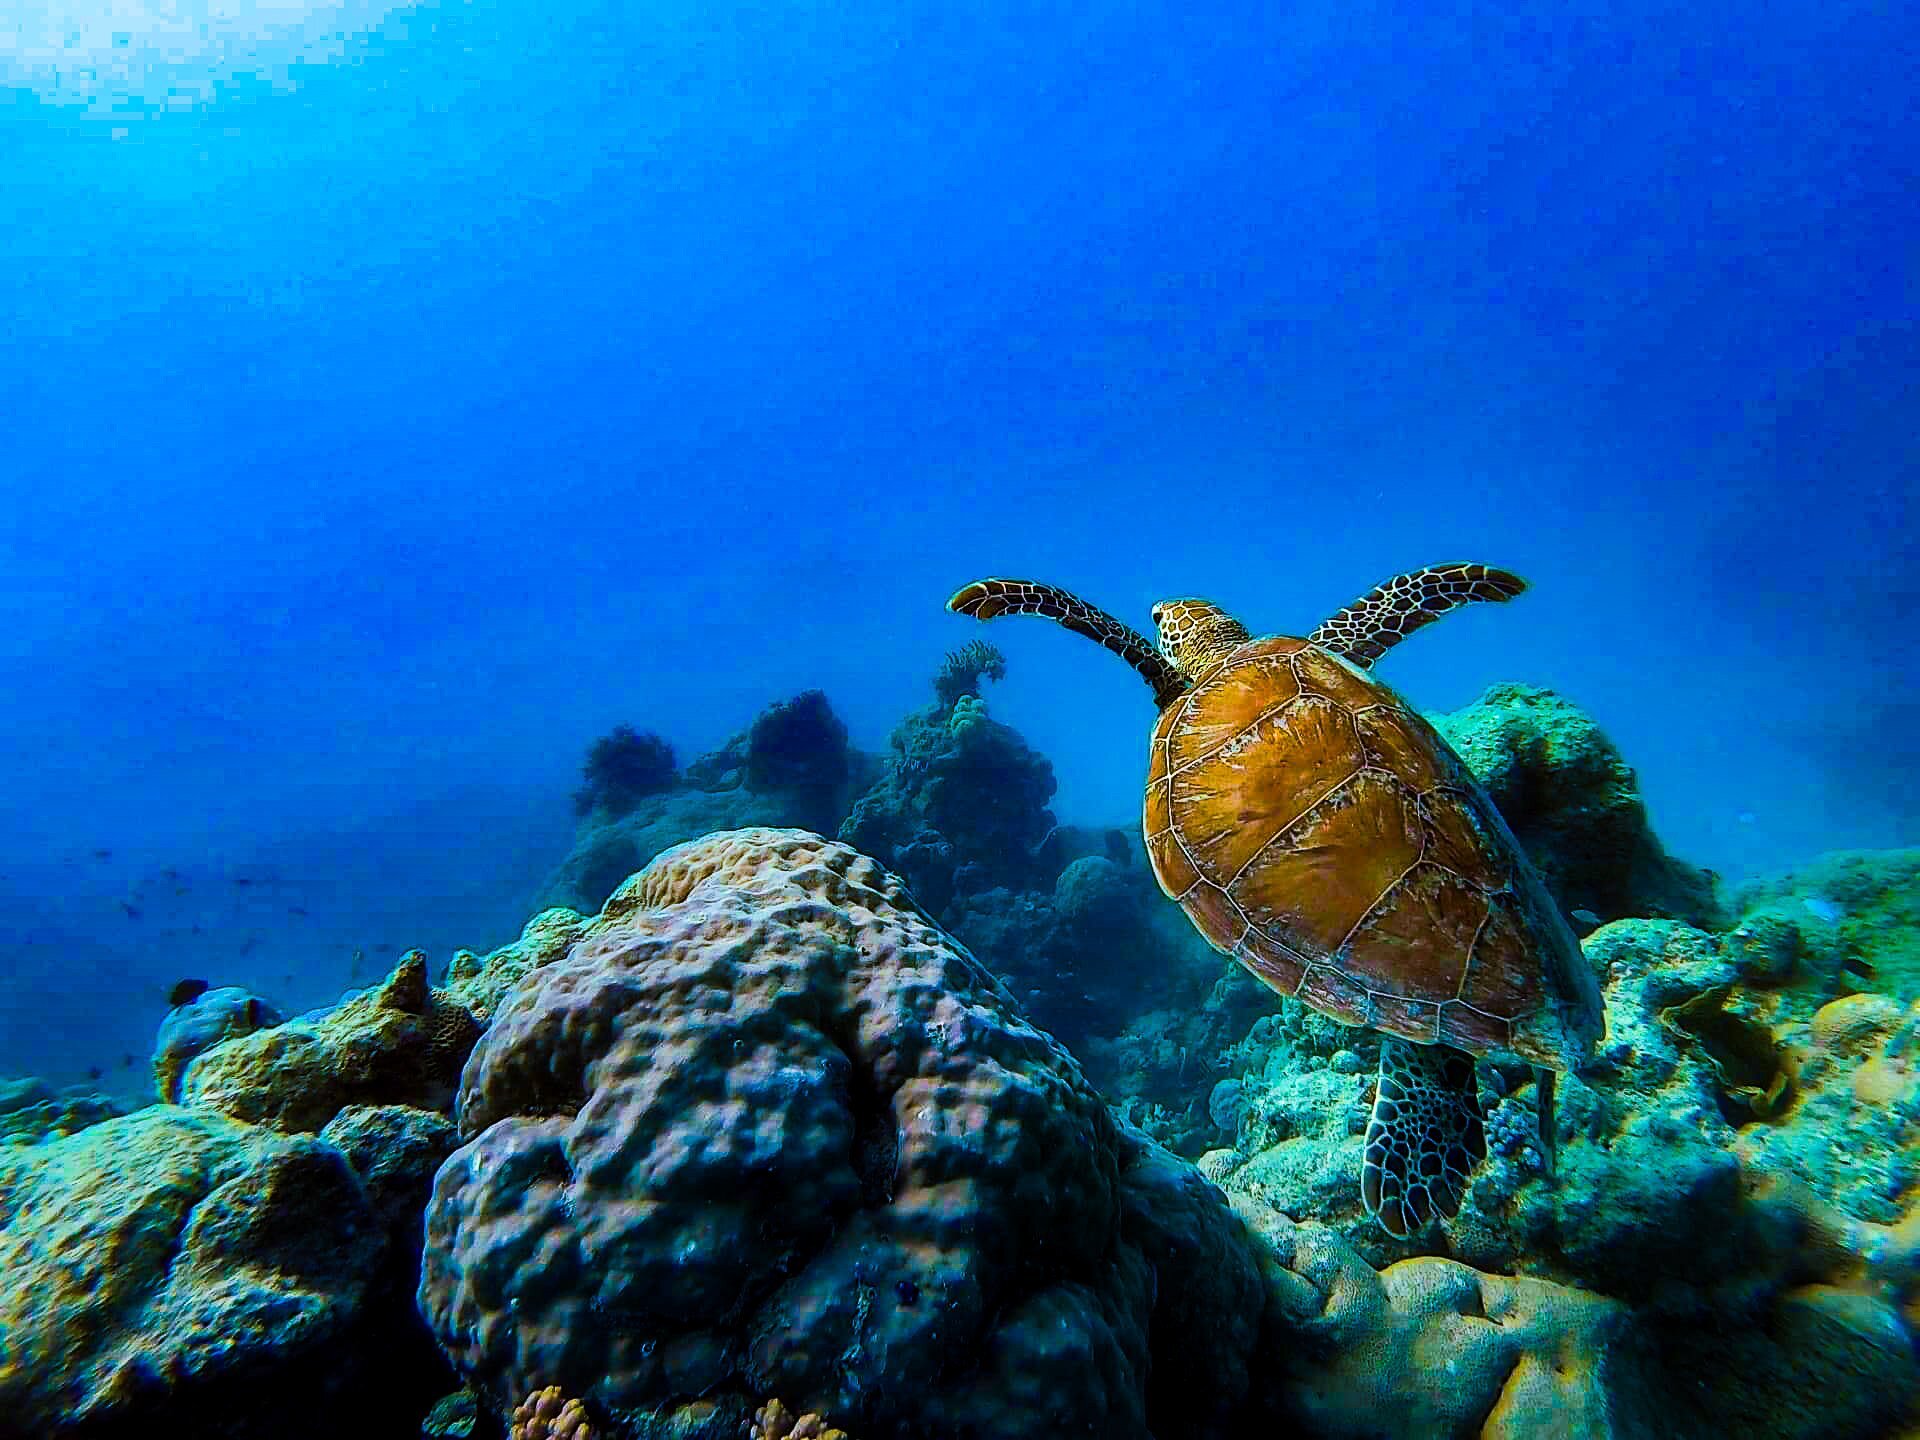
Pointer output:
x,y
991,598
1424,1137
1388,613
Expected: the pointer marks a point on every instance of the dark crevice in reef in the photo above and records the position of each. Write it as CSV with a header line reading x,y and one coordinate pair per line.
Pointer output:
x,y
876,1143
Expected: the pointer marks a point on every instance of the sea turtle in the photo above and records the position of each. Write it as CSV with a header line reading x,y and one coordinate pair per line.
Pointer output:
x,y
1319,831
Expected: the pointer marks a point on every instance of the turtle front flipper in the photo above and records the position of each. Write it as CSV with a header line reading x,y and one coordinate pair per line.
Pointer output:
x,y
1388,613
1424,1137
991,598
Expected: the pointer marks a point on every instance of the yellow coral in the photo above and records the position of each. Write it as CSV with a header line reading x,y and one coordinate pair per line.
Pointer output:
x,y
1437,1346
1854,1024
548,1415
773,1421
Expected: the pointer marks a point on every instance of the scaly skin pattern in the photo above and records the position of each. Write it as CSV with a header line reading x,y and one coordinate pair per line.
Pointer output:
x,y
989,599
1393,610
1318,830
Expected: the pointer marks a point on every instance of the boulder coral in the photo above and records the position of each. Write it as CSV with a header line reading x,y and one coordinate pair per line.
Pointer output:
x,y
764,1129
1432,1348
175,1272
209,1019
32,1111
1574,803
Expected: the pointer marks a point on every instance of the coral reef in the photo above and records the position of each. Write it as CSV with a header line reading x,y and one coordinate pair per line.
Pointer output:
x,y
394,1149
791,766
763,1129
622,768
1848,920
1168,1064
961,808
1737,1161
758,1128
1575,806
32,1111
1091,952
210,1018
960,674
480,983
400,1043
757,1125
453,1417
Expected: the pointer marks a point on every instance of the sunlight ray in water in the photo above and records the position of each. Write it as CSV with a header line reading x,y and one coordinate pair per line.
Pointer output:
x,y
135,56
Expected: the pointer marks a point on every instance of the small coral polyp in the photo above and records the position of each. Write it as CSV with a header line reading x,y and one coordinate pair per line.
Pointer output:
x,y
773,1421
548,1414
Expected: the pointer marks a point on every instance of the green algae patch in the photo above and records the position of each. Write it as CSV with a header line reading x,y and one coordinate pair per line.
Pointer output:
x,y
1851,918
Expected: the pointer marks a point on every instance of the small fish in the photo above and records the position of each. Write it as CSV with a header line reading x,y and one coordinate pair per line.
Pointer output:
x,y
126,1061
1824,909
94,1072
253,1012
1586,917
1746,817
297,910
171,875
1858,966
185,992
248,945
242,881
133,910
357,966
103,854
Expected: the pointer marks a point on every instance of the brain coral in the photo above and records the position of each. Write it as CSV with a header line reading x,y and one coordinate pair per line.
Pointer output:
x,y
765,1130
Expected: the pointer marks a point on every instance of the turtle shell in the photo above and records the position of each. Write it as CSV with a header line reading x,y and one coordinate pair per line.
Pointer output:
x,y
1316,829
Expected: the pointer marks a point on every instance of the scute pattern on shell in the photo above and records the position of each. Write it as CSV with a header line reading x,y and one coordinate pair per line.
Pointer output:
x,y
1318,830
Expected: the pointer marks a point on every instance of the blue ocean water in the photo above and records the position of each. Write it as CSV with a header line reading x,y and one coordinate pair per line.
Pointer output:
x,y
397,397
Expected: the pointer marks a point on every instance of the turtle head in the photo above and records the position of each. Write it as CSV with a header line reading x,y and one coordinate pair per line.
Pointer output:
x,y
1196,635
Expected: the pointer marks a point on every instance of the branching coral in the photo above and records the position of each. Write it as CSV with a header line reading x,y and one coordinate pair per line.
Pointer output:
x,y
623,766
549,1415
960,674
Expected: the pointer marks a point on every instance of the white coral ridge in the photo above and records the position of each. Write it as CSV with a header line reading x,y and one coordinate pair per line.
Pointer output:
x,y
117,56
